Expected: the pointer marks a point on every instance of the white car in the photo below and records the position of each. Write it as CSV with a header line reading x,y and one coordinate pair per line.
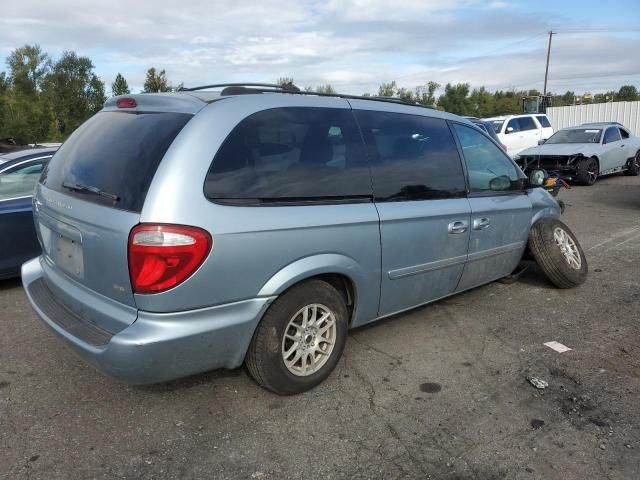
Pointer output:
x,y
586,152
518,132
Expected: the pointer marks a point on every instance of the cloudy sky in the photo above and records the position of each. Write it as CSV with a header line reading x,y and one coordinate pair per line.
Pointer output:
x,y
352,44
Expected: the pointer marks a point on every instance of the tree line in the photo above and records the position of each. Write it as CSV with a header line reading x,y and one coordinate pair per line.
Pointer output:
x,y
42,99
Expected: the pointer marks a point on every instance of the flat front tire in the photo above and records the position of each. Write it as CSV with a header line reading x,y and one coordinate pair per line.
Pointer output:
x,y
300,339
558,253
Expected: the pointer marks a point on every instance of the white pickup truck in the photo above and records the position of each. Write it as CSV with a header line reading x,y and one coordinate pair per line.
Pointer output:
x,y
519,132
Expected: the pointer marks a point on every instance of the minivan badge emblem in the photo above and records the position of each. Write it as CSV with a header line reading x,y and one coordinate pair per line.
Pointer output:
x,y
57,203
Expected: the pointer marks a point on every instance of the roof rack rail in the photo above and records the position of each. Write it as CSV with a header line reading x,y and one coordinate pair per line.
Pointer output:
x,y
385,98
290,88
273,86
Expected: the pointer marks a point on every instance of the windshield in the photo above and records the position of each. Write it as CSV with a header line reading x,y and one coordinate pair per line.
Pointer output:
x,y
496,124
577,135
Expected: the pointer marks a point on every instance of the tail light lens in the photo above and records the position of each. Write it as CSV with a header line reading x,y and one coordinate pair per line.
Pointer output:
x,y
163,256
126,103
504,147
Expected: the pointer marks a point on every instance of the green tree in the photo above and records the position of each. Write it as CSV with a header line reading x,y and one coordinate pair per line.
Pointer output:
x,y
388,89
287,84
326,89
425,94
25,113
27,67
456,99
405,94
120,86
156,81
482,103
627,93
74,93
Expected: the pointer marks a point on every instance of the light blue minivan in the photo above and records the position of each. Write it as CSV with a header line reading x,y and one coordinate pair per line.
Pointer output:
x,y
201,229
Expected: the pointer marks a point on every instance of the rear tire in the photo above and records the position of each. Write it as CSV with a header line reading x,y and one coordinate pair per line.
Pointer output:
x,y
271,358
633,168
587,171
558,253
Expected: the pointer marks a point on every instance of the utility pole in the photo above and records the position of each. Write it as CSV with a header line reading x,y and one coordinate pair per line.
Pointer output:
x,y
546,70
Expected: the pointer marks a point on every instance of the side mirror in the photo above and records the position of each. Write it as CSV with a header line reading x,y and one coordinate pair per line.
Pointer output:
x,y
537,178
541,141
509,130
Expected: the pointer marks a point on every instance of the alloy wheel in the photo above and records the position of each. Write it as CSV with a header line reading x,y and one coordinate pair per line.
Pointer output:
x,y
309,339
568,248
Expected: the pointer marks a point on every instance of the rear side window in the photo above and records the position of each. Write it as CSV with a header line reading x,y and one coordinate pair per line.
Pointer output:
x,y
527,123
544,121
412,157
114,152
290,155
624,133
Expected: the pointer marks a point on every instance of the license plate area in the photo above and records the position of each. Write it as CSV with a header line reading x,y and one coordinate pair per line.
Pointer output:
x,y
64,250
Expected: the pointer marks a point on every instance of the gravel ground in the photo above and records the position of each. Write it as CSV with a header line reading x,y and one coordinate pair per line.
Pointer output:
x,y
440,392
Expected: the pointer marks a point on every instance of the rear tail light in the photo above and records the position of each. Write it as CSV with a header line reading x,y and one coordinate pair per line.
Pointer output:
x,y
504,147
163,256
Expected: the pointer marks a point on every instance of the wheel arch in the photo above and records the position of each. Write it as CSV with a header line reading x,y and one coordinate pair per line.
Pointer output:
x,y
340,271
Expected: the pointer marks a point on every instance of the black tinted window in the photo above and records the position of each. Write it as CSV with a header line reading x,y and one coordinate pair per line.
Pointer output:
x,y
488,167
544,121
624,133
611,135
290,154
115,152
527,123
412,157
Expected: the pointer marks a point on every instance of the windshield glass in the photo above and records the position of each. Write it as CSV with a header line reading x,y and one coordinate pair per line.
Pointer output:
x,y
577,135
496,124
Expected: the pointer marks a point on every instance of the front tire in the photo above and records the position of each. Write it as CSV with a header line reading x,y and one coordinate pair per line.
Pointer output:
x,y
633,168
300,339
587,171
558,253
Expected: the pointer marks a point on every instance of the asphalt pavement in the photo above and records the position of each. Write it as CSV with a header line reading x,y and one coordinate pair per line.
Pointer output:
x,y
440,392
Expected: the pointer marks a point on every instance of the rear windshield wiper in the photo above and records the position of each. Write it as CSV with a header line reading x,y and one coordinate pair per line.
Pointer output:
x,y
79,187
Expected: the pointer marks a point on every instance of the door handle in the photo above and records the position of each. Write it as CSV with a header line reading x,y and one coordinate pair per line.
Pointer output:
x,y
481,223
458,227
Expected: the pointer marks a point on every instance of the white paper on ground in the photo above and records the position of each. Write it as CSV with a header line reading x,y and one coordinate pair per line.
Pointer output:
x,y
557,346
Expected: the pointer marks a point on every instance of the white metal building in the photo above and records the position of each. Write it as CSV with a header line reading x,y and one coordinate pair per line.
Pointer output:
x,y
627,113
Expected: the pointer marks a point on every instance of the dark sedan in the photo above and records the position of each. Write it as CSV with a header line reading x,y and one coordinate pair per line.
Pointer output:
x,y
19,172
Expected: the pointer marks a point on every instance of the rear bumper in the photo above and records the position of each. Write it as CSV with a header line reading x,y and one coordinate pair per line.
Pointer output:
x,y
156,347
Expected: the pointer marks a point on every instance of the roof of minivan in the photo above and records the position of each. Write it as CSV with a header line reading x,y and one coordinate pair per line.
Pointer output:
x,y
193,101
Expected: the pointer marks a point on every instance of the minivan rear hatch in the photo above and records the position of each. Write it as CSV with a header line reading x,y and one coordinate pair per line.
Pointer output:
x,y
90,197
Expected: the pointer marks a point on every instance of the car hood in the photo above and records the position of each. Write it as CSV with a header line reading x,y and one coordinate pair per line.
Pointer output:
x,y
561,149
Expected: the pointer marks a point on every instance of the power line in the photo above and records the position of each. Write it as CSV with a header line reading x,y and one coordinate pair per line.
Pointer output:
x,y
563,31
